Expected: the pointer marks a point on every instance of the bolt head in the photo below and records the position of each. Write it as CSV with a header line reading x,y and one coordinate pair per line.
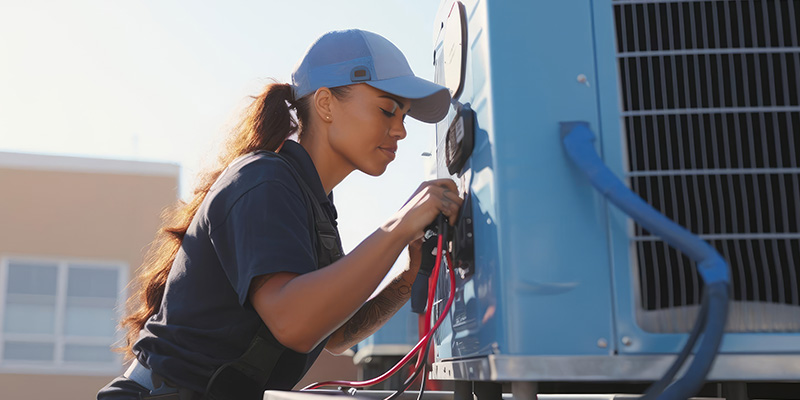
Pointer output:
x,y
627,341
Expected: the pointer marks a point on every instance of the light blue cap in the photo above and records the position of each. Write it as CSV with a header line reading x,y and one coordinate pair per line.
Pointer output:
x,y
351,56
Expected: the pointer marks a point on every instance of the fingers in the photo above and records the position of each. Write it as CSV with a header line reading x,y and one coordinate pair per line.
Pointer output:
x,y
445,183
450,208
434,197
449,202
452,196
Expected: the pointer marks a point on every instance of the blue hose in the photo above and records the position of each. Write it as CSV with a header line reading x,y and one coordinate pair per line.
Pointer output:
x,y
578,142
699,326
691,382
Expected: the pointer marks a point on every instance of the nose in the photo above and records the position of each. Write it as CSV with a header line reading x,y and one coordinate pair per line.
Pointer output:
x,y
398,130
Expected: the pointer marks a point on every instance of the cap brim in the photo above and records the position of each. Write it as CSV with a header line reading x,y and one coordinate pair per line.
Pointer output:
x,y
429,102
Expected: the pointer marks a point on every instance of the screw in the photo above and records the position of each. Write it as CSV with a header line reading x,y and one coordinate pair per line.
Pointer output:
x,y
582,79
626,341
602,343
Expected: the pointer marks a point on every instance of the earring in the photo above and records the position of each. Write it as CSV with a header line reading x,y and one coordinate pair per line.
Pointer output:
x,y
327,117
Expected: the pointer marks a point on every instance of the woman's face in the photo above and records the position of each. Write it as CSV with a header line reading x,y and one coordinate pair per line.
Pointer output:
x,y
366,126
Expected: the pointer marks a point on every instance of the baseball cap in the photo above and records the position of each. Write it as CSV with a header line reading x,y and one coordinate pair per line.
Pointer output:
x,y
346,57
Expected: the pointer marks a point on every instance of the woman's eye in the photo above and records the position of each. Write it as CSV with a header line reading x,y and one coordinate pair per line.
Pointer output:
x,y
387,113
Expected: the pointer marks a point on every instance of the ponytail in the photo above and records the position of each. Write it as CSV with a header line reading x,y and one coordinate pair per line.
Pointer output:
x,y
266,123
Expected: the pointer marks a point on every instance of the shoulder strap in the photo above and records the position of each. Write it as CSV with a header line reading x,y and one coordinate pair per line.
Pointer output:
x,y
246,376
327,242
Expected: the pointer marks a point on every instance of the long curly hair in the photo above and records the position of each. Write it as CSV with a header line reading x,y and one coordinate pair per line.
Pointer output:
x,y
265,124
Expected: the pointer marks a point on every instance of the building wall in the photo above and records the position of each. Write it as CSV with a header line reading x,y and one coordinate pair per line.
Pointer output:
x,y
54,207
83,209
77,214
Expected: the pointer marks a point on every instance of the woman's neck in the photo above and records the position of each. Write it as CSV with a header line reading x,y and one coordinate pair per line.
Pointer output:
x,y
331,169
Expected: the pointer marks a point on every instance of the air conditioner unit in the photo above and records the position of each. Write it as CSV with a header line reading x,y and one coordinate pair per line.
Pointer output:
x,y
695,107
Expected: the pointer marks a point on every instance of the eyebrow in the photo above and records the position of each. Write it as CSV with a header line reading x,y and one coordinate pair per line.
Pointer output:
x,y
399,103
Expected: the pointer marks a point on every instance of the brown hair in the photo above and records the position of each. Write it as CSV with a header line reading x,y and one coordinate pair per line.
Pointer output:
x,y
266,123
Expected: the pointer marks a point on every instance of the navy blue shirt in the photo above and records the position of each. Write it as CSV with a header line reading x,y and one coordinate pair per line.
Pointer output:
x,y
253,221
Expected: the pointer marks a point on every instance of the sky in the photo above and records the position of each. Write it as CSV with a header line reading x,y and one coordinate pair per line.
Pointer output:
x,y
165,80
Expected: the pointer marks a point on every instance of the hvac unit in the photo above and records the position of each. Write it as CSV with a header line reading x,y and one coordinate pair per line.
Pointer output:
x,y
694,105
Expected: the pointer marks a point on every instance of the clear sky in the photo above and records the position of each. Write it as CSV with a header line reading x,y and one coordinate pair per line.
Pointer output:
x,y
163,80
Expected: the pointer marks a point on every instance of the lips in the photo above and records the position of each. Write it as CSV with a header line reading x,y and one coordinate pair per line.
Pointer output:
x,y
389,151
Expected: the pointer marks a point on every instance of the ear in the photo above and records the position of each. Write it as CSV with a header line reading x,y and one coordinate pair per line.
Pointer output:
x,y
323,99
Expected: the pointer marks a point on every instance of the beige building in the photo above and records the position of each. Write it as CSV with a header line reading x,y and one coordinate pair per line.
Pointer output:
x,y
74,230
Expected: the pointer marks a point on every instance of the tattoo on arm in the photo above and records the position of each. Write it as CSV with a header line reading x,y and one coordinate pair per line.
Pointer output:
x,y
376,312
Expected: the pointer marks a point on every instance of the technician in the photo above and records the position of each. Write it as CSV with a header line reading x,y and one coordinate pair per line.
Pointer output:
x,y
236,295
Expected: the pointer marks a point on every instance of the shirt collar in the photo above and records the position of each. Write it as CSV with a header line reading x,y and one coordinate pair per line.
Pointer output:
x,y
302,162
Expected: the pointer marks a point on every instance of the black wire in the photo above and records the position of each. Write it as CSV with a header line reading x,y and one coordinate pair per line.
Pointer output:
x,y
424,381
699,325
410,380
407,384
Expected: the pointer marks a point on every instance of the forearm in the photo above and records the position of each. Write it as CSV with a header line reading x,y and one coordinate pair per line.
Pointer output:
x,y
373,314
303,310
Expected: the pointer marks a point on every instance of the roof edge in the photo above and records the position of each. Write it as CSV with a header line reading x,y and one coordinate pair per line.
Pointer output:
x,y
43,162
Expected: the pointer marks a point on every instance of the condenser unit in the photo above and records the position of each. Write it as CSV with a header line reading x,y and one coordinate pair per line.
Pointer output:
x,y
694,105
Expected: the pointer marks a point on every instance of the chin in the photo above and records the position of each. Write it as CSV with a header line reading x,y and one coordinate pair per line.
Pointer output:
x,y
374,171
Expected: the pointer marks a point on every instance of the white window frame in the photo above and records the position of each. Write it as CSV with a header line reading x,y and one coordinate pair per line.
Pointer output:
x,y
59,366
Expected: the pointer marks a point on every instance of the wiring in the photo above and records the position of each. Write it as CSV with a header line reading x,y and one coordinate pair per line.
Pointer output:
x,y
422,347
407,384
423,353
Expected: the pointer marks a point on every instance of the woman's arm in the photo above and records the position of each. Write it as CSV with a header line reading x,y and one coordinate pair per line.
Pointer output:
x,y
376,312
302,310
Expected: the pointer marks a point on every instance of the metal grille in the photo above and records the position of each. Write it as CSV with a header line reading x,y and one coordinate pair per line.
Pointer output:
x,y
710,103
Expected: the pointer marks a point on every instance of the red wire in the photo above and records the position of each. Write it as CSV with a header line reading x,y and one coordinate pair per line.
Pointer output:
x,y
434,280
420,346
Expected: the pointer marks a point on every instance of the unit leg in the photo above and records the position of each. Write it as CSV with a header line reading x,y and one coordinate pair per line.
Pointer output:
x,y
524,390
462,390
735,391
488,390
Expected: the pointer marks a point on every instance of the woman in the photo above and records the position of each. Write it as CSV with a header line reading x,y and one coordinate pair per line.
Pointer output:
x,y
237,296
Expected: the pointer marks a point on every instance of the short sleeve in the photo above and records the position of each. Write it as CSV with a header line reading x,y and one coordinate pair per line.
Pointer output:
x,y
265,231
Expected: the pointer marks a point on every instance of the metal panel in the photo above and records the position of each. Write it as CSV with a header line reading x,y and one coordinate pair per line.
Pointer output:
x,y
525,200
429,395
618,368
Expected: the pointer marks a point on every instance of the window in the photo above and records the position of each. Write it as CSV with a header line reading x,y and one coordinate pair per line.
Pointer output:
x,y
59,315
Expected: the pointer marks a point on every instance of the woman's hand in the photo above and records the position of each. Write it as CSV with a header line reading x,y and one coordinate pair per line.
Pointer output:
x,y
414,259
429,200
